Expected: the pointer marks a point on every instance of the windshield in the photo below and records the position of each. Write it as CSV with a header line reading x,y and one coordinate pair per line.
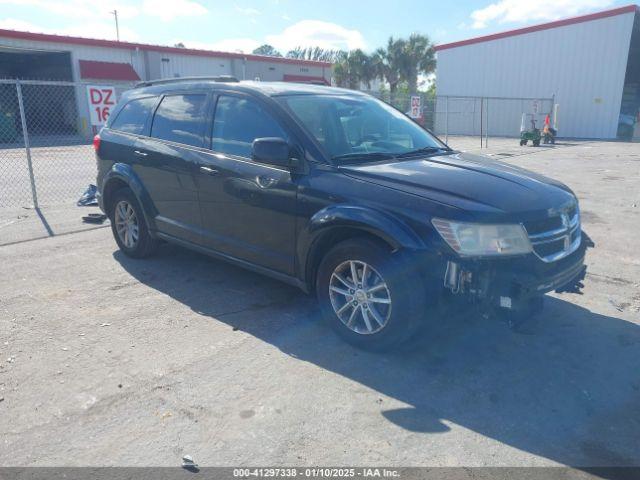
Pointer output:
x,y
359,127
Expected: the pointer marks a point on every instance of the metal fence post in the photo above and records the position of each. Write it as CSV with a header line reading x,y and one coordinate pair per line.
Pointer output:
x,y
446,119
481,119
25,135
486,132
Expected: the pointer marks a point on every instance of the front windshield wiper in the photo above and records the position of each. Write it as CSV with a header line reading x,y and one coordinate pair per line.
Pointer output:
x,y
364,156
424,150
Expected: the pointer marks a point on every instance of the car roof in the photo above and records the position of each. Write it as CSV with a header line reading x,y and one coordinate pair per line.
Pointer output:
x,y
271,89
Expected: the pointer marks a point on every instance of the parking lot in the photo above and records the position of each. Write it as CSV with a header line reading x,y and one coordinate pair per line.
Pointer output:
x,y
105,360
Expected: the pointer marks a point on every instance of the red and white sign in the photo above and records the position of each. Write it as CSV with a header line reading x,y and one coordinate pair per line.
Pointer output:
x,y
416,107
102,100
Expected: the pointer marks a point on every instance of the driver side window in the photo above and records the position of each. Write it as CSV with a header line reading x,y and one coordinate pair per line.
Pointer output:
x,y
238,122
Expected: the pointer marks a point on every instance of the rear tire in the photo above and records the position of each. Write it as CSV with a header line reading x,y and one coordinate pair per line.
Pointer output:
x,y
377,312
129,225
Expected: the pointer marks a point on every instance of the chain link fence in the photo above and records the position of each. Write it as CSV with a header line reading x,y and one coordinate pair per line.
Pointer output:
x,y
47,160
480,117
46,156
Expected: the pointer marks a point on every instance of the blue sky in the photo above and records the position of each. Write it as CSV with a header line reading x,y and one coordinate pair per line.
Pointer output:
x,y
241,25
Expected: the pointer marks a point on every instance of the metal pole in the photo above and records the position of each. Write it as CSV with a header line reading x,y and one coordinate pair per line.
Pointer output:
x,y
27,147
115,14
481,118
446,120
486,133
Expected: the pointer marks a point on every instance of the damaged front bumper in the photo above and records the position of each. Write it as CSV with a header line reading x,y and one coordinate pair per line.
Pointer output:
x,y
512,284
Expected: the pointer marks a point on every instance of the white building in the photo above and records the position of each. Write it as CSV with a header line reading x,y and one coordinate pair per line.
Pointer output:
x,y
39,56
63,109
588,65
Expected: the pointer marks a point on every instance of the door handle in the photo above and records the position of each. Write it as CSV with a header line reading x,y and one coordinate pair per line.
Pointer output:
x,y
208,170
140,154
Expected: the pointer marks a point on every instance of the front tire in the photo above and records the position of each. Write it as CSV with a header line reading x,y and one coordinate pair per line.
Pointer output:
x,y
129,226
371,297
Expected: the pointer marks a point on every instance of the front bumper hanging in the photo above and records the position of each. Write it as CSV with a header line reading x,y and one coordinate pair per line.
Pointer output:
x,y
511,284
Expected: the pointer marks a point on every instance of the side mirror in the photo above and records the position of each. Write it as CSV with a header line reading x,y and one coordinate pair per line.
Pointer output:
x,y
272,151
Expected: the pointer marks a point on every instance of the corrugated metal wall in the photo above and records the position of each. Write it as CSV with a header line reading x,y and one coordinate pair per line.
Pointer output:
x,y
582,65
488,115
82,52
169,65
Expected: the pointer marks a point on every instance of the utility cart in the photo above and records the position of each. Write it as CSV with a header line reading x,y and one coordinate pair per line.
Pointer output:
x,y
533,134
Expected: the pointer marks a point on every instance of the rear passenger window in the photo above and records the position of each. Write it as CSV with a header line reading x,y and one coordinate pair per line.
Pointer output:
x,y
238,122
180,118
133,115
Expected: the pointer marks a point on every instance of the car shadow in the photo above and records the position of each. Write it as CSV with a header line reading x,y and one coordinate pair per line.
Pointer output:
x,y
567,389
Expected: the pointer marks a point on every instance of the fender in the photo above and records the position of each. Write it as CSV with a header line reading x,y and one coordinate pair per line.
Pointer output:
x,y
389,229
123,172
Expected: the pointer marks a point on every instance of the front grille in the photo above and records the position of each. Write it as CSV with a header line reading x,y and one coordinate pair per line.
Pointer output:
x,y
544,225
557,236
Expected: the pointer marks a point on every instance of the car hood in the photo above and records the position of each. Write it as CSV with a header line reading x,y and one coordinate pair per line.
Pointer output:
x,y
467,181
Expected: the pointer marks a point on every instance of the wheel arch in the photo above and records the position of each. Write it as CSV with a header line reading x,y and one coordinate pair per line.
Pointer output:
x,y
122,175
338,223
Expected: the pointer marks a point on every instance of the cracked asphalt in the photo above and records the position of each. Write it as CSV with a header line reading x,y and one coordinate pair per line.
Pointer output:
x,y
106,360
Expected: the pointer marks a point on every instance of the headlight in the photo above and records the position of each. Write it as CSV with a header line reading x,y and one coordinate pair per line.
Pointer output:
x,y
477,239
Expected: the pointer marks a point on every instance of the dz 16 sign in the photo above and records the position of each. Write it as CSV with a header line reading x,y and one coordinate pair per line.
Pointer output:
x,y
416,107
101,102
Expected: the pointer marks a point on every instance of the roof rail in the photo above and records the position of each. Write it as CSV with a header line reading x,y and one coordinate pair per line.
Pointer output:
x,y
219,78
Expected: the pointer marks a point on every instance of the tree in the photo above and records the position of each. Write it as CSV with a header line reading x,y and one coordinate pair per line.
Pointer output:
x,y
416,57
341,74
267,50
386,63
314,53
361,69
341,70
352,69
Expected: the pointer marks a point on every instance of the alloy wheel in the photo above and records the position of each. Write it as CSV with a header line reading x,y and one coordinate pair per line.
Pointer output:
x,y
360,297
126,224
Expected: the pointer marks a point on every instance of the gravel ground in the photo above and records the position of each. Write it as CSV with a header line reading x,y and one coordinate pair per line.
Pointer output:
x,y
109,361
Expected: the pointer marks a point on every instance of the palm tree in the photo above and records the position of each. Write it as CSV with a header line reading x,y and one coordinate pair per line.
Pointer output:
x,y
417,57
360,69
344,71
341,74
386,63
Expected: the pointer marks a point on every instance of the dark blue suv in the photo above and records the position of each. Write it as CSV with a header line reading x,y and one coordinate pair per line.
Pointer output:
x,y
334,191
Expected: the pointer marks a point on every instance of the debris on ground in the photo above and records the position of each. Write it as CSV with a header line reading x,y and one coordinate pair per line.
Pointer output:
x,y
189,464
620,306
88,198
94,218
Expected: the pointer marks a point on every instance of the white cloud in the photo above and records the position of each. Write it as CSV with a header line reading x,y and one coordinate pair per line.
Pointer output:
x,y
15,24
169,10
306,33
79,9
102,30
249,12
520,11
312,33
99,30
